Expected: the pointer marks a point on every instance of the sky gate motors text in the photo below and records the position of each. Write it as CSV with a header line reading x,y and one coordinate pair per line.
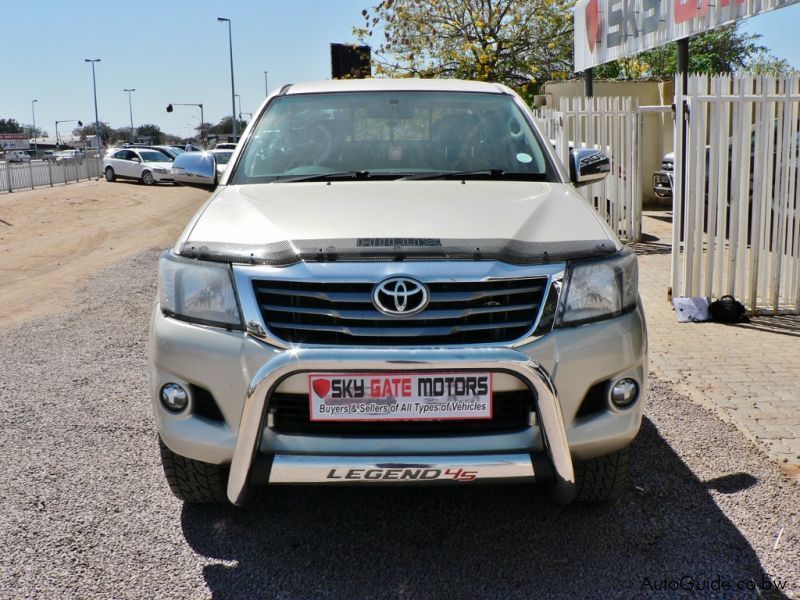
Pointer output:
x,y
639,17
437,386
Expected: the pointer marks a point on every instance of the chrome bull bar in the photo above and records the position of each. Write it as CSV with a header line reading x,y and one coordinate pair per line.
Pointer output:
x,y
299,360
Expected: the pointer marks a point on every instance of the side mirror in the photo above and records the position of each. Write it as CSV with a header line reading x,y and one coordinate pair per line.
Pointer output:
x,y
196,169
135,159
587,166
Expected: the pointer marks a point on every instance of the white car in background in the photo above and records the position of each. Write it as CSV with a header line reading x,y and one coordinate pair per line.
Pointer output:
x,y
222,156
17,156
145,165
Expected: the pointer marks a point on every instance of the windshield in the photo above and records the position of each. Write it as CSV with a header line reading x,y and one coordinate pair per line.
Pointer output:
x,y
397,134
154,156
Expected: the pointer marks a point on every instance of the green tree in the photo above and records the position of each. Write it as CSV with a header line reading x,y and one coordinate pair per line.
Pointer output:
x,y
10,126
149,130
225,126
723,50
122,135
33,131
508,41
171,138
87,131
765,63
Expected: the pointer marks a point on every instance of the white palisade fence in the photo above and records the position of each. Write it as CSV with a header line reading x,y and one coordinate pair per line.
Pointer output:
x,y
611,125
33,174
737,221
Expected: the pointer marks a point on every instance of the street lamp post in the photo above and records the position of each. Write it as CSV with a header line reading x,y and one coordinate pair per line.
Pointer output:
x,y
35,145
130,108
233,90
239,98
96,118
266,85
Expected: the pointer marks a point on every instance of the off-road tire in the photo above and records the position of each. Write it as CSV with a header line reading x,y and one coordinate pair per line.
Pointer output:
x,y
110,176
193,481
147,178
602,479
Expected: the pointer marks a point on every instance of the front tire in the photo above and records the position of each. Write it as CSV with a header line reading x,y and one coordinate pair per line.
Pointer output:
x,y
110,176
602,479
193,481
147,178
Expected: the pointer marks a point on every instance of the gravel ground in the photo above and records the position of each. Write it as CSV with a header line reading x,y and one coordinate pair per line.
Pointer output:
x,y
86,512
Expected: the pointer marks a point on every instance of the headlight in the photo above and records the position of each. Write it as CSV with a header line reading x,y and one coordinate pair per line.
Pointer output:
x,y
160,170
600,289
197,291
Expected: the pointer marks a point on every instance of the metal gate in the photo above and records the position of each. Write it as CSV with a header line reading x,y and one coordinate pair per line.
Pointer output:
x,y
736,225
612,125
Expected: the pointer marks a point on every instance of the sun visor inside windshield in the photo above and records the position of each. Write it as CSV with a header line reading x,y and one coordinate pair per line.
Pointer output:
x,y
285,253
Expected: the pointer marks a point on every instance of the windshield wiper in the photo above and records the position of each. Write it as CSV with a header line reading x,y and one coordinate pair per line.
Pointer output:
x,y
323,176
479,173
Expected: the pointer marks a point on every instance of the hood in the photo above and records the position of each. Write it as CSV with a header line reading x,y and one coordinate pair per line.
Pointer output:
x,y
280,223
669,157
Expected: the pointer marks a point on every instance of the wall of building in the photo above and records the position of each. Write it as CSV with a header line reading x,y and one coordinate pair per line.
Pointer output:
x,y
657,132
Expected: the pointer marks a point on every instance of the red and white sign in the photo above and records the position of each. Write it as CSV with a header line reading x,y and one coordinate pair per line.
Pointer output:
x,y
606,30
425,396
14,141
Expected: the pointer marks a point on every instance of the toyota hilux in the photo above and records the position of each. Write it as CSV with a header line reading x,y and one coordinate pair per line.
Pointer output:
x,y
395,282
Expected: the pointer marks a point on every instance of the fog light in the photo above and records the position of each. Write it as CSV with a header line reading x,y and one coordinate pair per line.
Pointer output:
x,y
624,392
174,397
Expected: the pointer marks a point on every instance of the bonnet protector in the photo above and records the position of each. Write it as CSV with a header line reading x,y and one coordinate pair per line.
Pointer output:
x,y
285,253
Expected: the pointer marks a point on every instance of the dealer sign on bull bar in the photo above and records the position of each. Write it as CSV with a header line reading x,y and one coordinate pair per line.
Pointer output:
x,y
400,396
609,29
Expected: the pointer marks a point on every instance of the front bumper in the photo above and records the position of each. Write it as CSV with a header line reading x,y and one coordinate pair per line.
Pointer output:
x,y
289,363
242,372
163,177
663,183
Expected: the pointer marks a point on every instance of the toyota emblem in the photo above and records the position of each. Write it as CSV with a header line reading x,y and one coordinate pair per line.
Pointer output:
x,y
400,296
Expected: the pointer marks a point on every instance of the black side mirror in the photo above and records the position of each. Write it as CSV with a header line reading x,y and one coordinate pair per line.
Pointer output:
x,y
588,166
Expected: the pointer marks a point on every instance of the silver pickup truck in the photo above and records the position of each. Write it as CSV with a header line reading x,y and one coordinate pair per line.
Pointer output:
x,y
394,282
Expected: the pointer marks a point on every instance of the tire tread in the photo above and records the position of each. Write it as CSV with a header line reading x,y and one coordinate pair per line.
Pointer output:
x,y
194,481
603,479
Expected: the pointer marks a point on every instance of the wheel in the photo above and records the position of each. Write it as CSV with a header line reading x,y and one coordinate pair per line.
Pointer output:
x,y
110,177
193,481
147,178
602,479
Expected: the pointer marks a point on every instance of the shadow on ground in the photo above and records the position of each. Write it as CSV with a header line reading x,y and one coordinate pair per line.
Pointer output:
x,y
650,244
480,541
781,324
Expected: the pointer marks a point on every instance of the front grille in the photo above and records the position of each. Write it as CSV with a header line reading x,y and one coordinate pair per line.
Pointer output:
x,y
667,166
510,411
474,312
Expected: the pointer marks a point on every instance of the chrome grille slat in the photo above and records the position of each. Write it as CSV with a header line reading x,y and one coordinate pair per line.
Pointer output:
x,y
374,315
342,312
329,297
396,331
357,297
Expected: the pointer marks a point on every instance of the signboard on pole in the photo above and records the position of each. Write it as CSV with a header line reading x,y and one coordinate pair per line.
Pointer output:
x,y
14,141
606,30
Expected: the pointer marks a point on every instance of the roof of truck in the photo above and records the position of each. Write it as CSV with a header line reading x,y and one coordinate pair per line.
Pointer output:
x,y
393,85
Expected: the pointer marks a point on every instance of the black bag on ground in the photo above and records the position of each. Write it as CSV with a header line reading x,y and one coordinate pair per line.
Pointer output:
x,y
727,310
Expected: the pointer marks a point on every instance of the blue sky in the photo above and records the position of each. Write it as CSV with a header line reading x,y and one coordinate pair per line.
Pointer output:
x,y
176,51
